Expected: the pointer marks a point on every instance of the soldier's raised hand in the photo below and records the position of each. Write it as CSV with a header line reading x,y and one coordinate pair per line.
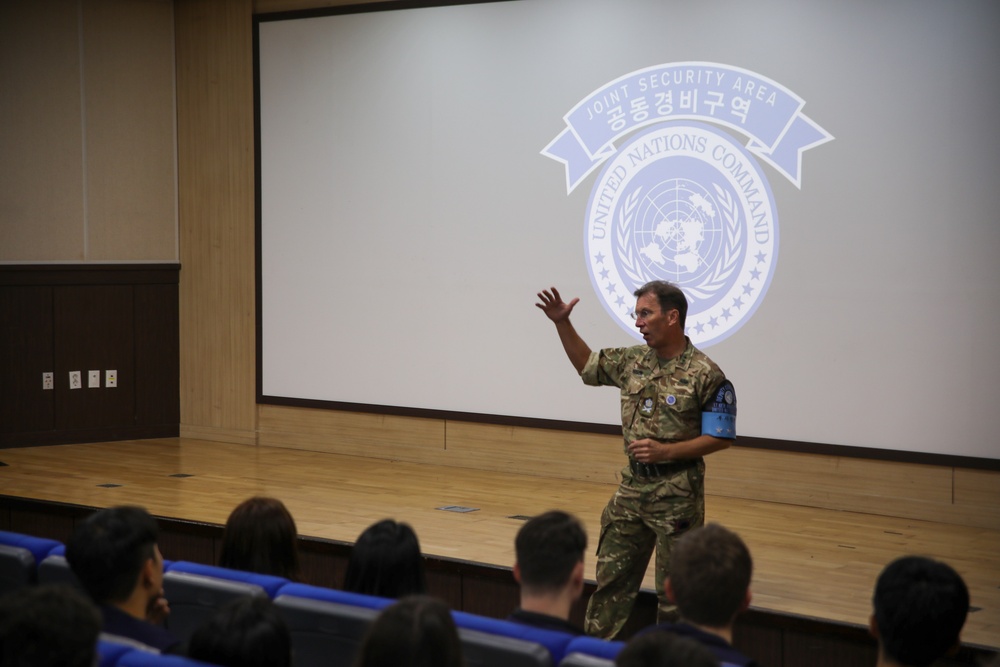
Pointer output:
x,y
553,306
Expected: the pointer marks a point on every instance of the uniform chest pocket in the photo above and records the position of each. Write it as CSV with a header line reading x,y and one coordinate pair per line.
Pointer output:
x,y
639,400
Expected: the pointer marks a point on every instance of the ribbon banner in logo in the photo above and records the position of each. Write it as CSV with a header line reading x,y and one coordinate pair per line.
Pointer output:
x,y
682,200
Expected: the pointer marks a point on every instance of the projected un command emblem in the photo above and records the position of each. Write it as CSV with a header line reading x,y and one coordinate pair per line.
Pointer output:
x,y
682,200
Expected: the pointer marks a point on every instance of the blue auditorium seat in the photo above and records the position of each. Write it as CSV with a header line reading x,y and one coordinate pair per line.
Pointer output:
x,y
109,652
270,584
17,568
555,642
484,649
194,598
334,595
324,633
20,555
595,647
584,660
40,547
144,659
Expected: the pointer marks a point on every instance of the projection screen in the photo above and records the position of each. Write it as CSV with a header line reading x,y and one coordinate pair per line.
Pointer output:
x,y
820,178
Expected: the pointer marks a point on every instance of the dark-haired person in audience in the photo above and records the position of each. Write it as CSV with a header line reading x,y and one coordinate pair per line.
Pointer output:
x,y
386,561
50,625
663,649
261,536
415,631
114,554
920,606
710,584
247,632
549,570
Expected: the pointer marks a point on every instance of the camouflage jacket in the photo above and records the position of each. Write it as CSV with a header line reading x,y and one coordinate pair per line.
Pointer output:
x,y
662,400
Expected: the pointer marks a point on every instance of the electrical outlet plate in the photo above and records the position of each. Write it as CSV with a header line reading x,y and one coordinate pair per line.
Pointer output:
x,y
74,380
110,378
48,381
93,379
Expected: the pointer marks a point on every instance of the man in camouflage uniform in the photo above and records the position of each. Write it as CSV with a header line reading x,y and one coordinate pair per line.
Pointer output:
x,y
677,407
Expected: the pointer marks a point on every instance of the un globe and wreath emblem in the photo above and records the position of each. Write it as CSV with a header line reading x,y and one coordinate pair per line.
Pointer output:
x,y
679,196
683,202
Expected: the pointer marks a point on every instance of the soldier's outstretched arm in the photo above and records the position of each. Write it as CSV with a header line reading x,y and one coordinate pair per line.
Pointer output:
x,y
558,311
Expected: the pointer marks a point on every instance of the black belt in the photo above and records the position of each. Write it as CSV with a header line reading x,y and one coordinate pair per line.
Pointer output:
x,y
660,469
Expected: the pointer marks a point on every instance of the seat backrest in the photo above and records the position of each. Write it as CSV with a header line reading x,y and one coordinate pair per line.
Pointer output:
x,y
144,659
17,568
584,660
324,634
338,596
40,547
600,648
110,651
193,598
269,583
553,640
56,570
482,649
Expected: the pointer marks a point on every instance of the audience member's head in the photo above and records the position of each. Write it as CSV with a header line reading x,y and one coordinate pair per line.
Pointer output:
x,y
549,550
50,625
247,632
261,537
416,631
710,571
664,649
386,561
920,607
114,554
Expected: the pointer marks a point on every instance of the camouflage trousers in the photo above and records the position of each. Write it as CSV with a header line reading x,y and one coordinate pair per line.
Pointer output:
x,y
642,515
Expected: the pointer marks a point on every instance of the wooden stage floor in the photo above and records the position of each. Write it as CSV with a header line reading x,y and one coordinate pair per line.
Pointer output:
x,y
808,562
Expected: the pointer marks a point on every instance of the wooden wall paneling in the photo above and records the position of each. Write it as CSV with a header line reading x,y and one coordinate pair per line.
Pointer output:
x,y
41,136
93,331
323,562
489,592
816,650
49,520
215,146
888,488
157,357
977,493
130,163
534,451
446,582
182,540
353,433
26,351
763,641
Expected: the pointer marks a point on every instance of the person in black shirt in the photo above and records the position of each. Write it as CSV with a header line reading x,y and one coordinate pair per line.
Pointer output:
x,y
709,582
549,570
115,556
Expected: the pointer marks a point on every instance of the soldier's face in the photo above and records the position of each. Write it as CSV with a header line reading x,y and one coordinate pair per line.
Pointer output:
x,y
652,322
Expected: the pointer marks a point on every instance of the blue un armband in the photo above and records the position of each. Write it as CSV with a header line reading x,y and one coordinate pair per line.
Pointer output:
x,y
719,417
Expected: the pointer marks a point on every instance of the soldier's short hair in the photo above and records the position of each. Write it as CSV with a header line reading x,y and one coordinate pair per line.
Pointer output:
x,y
669,296
920,608
710,571
548,547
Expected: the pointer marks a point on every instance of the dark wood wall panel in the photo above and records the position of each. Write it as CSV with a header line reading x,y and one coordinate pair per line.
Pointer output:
x,y
25,354
93,331
157,355
86,318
